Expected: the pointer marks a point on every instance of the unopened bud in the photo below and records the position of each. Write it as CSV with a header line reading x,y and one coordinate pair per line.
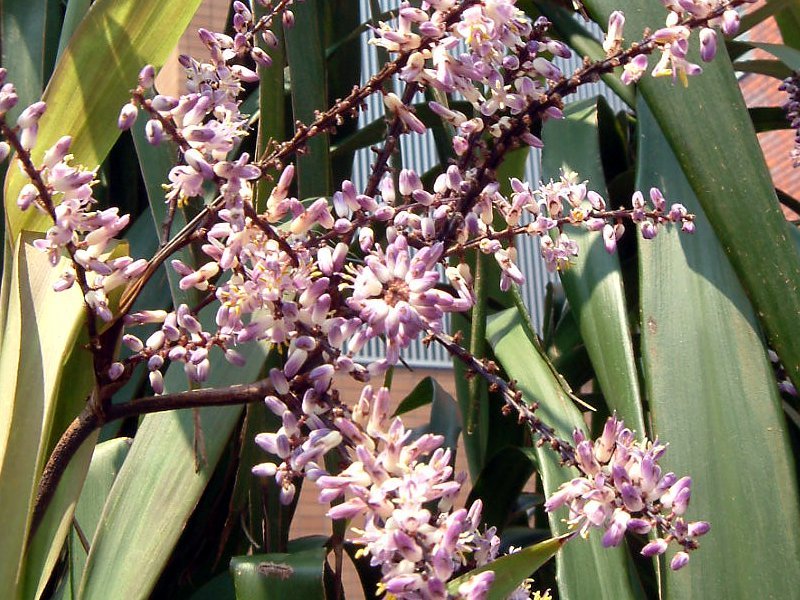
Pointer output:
x,y
31,115
127,116
147,76
154,132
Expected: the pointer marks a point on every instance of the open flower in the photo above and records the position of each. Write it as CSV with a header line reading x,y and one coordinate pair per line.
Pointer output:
x,y
395,294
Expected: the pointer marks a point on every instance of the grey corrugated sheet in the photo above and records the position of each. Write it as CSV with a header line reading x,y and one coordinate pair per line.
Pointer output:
x,y
419,153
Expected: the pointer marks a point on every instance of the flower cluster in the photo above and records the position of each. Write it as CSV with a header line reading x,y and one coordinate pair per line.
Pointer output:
x,y
394,294
555,206
673,39
622,488
392,481
64,192
791,85
490,54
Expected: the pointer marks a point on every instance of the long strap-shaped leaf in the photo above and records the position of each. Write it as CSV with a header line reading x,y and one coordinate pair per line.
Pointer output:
x,y
29,31
709,130
277,576
41,329
158,488
713,397
594,283
511,570
309,93
584,568
106,462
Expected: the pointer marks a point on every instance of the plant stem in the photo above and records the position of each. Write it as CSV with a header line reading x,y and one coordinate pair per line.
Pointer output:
x,y
94,416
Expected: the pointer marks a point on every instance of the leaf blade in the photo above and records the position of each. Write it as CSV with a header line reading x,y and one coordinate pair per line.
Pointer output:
x,y
584,570
713,397
593,284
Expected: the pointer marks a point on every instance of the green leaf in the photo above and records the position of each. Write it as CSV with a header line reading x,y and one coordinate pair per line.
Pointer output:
x,y
511,570
159,486
770,68
106,462
76,10
340,18
219,588
761,14
309,93
789,24
45,546
40,333
584,569
271,100
568,354
279,576
500,483
26,29
155,163
787,55
708,128
256,499
83,100
445,418
713,397
472,392
593,284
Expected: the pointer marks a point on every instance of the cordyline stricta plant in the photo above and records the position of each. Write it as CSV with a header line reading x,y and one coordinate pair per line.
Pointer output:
x,y
256,269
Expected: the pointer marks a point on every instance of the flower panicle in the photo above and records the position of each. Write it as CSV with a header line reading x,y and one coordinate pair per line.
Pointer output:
x,y
621,488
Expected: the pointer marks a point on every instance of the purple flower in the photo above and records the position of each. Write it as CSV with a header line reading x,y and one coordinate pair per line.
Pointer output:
x,y
394,294
621,488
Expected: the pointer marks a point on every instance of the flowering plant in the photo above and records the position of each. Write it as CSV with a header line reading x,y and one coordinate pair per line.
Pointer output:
x,y
243,323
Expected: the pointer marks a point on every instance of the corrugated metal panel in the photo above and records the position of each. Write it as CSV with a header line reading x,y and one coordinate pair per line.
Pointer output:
x,y
419,153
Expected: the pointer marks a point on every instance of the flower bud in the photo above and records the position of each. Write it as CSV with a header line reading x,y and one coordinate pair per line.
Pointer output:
x,y
157,382
154,132
261,58
147,76
699,528
8,98
115,371
127,116
27,196
708,44
730,22
27,137
613,40
269,38
57,152
654,548
163,103
31,115
609,238
680,560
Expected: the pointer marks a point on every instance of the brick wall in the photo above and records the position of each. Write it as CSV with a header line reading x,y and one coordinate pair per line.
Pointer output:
x,y
760,90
